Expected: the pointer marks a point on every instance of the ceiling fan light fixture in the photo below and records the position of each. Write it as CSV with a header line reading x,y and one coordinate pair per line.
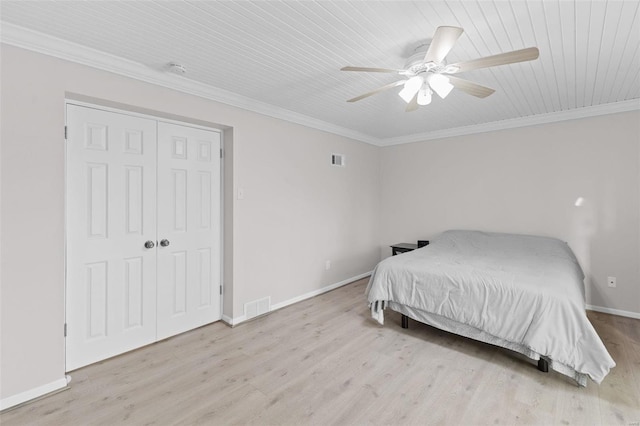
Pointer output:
x,y
424,96
426,72
411,87
440,84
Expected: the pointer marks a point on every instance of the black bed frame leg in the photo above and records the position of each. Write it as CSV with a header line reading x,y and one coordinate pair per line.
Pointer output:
x,y
405,321
543,365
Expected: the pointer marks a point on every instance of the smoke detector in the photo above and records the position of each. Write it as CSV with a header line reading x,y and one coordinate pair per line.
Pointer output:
x,y
176,68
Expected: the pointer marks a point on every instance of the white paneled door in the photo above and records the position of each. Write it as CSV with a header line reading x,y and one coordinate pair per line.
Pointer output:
x,y
188,228
111,203
143,232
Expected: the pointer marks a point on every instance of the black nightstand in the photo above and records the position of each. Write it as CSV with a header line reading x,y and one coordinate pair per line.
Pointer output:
x,y
402,248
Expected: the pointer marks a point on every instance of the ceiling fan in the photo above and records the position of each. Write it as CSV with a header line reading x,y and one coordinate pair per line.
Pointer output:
x,y
428,73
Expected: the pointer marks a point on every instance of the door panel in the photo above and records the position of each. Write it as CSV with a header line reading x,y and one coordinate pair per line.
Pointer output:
x,y
189,218
111,204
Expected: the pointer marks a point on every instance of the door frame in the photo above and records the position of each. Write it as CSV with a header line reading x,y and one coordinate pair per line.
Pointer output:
x,y
159,118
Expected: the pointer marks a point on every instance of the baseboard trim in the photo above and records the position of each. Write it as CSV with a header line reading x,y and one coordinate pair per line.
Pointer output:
x,y
612,311
31,394
227,319
234,321
305,296
239,319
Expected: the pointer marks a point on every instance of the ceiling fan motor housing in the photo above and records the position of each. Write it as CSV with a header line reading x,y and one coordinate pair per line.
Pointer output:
x,y
416,65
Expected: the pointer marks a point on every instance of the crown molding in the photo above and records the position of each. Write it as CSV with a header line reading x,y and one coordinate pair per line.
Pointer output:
x,y
38,42
532,120
24,38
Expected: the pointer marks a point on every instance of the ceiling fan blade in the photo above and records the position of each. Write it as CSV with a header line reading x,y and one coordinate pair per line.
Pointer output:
x,y
521,55
470,87
364,69
378,90
442,42
413,105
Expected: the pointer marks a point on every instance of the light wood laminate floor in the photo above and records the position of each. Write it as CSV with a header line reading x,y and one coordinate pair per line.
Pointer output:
x,y
324,361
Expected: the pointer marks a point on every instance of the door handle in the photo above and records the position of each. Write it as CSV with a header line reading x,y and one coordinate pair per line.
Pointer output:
x,y
164,243
149,244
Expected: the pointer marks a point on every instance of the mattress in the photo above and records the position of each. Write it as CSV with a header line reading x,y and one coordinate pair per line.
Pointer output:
x,y
521,292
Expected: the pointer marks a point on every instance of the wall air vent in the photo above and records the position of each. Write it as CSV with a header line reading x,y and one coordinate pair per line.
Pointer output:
x,y
257,307
338,160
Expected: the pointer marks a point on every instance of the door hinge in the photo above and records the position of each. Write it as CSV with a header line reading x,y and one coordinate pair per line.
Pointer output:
x,y
221,290
65,132
221,155
65,329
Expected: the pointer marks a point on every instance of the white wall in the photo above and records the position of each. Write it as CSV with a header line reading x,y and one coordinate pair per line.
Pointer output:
x,y
526,180
297,212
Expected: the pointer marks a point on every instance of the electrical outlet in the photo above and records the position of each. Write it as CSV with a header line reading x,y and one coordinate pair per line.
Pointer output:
x,y
327,265
611,281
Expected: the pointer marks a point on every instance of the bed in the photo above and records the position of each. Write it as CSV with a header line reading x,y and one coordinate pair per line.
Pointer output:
x,y
521,292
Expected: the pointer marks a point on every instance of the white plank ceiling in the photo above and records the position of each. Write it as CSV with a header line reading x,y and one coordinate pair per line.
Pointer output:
x,y
288,54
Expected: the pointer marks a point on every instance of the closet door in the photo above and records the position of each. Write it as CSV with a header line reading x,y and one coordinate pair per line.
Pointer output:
x,y
111,214
188,228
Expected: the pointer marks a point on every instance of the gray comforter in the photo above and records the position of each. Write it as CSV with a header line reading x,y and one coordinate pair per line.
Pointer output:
x,y
522,292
